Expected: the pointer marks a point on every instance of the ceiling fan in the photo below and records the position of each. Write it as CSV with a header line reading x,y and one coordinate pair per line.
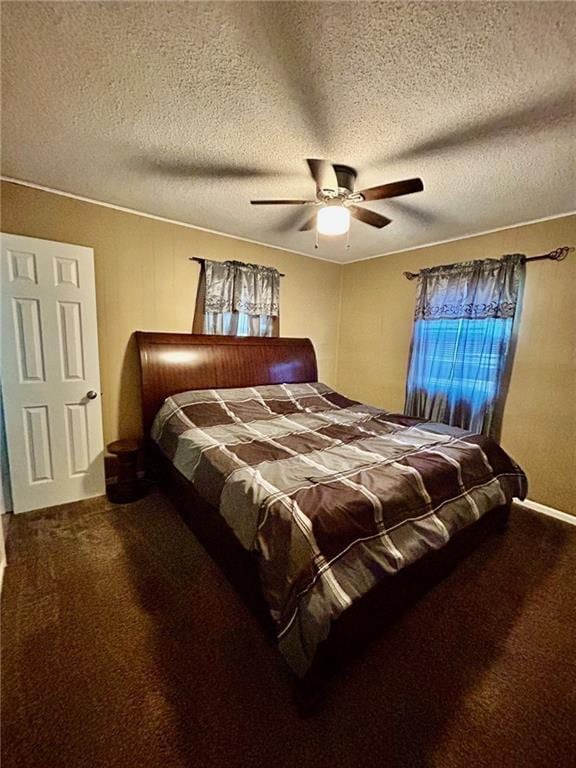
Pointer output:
x,y
336,199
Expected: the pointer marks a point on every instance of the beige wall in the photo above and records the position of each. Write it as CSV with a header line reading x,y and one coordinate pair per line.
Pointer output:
x,y
539,428
144,281
359,316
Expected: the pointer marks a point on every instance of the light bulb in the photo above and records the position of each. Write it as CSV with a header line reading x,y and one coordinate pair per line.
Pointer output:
x,y
333,220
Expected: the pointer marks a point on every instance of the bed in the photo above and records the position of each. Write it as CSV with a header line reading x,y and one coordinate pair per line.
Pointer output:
x,y
328,515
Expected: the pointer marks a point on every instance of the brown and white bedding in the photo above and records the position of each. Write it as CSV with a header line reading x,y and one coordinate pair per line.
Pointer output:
x,y
329,493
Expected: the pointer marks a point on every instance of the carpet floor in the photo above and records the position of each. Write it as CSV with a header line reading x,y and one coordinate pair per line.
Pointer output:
x,y
124,645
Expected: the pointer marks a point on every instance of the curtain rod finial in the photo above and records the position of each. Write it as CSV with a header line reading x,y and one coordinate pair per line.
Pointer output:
x,y
561,253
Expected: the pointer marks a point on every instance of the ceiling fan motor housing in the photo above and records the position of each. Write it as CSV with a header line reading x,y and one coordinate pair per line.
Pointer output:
x,y
346,177
335,189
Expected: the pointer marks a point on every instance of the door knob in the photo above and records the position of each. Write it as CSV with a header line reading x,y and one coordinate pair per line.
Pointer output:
x,y
91,395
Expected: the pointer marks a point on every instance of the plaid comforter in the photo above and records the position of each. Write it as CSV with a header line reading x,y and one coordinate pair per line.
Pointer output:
x,y
330,494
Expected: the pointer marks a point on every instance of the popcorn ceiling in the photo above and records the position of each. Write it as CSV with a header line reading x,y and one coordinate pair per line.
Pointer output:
x,y
189,110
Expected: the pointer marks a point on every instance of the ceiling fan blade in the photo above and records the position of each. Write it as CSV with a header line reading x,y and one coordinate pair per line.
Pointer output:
x,y
310,224
283,202
369,217
395,189
323,174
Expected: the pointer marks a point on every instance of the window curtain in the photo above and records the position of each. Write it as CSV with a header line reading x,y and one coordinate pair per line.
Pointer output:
x,y
236,299
463,340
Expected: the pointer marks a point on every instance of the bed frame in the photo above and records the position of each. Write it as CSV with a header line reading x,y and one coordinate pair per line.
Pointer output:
x,y
175,362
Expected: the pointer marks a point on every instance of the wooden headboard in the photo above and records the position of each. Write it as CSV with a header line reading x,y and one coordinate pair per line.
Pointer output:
x,y
177,362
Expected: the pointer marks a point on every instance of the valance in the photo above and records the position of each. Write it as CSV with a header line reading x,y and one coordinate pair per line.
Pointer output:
x,y
470,290
232,286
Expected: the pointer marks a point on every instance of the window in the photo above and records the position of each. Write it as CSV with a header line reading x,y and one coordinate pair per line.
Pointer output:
x,y
239,324
236,299
462,341
458,365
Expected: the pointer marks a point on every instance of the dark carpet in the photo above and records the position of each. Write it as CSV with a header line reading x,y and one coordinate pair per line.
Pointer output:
x,y
124,645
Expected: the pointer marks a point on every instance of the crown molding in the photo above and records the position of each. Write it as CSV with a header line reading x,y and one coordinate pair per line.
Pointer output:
x,y
469,236
144,214
135,212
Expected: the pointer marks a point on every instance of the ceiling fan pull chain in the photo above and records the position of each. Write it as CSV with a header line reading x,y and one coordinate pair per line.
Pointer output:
x,y
316,242
348,239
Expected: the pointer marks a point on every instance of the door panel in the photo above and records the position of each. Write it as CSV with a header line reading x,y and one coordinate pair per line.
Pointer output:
x,y
29,339
22,266
78,440
66,272
71,340
37,431
49,363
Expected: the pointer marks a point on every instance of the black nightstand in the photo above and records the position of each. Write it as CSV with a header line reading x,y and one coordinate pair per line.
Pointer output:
x,y
128,487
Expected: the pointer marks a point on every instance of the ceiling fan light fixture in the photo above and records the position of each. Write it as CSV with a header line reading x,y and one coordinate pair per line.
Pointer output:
x,y
333,220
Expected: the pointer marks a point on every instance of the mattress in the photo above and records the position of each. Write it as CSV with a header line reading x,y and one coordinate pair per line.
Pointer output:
x,y
330,495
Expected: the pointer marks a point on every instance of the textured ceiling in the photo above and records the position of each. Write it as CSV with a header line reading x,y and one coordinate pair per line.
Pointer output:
x,y
189,110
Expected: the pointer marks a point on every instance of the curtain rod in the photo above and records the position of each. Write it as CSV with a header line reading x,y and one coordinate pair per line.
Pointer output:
x,y
558,255
201,261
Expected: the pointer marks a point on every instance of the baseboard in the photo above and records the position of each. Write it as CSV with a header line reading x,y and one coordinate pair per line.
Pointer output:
x,y
4,522
535,506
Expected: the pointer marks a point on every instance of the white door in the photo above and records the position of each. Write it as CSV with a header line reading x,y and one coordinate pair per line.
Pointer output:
x,y
50,373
